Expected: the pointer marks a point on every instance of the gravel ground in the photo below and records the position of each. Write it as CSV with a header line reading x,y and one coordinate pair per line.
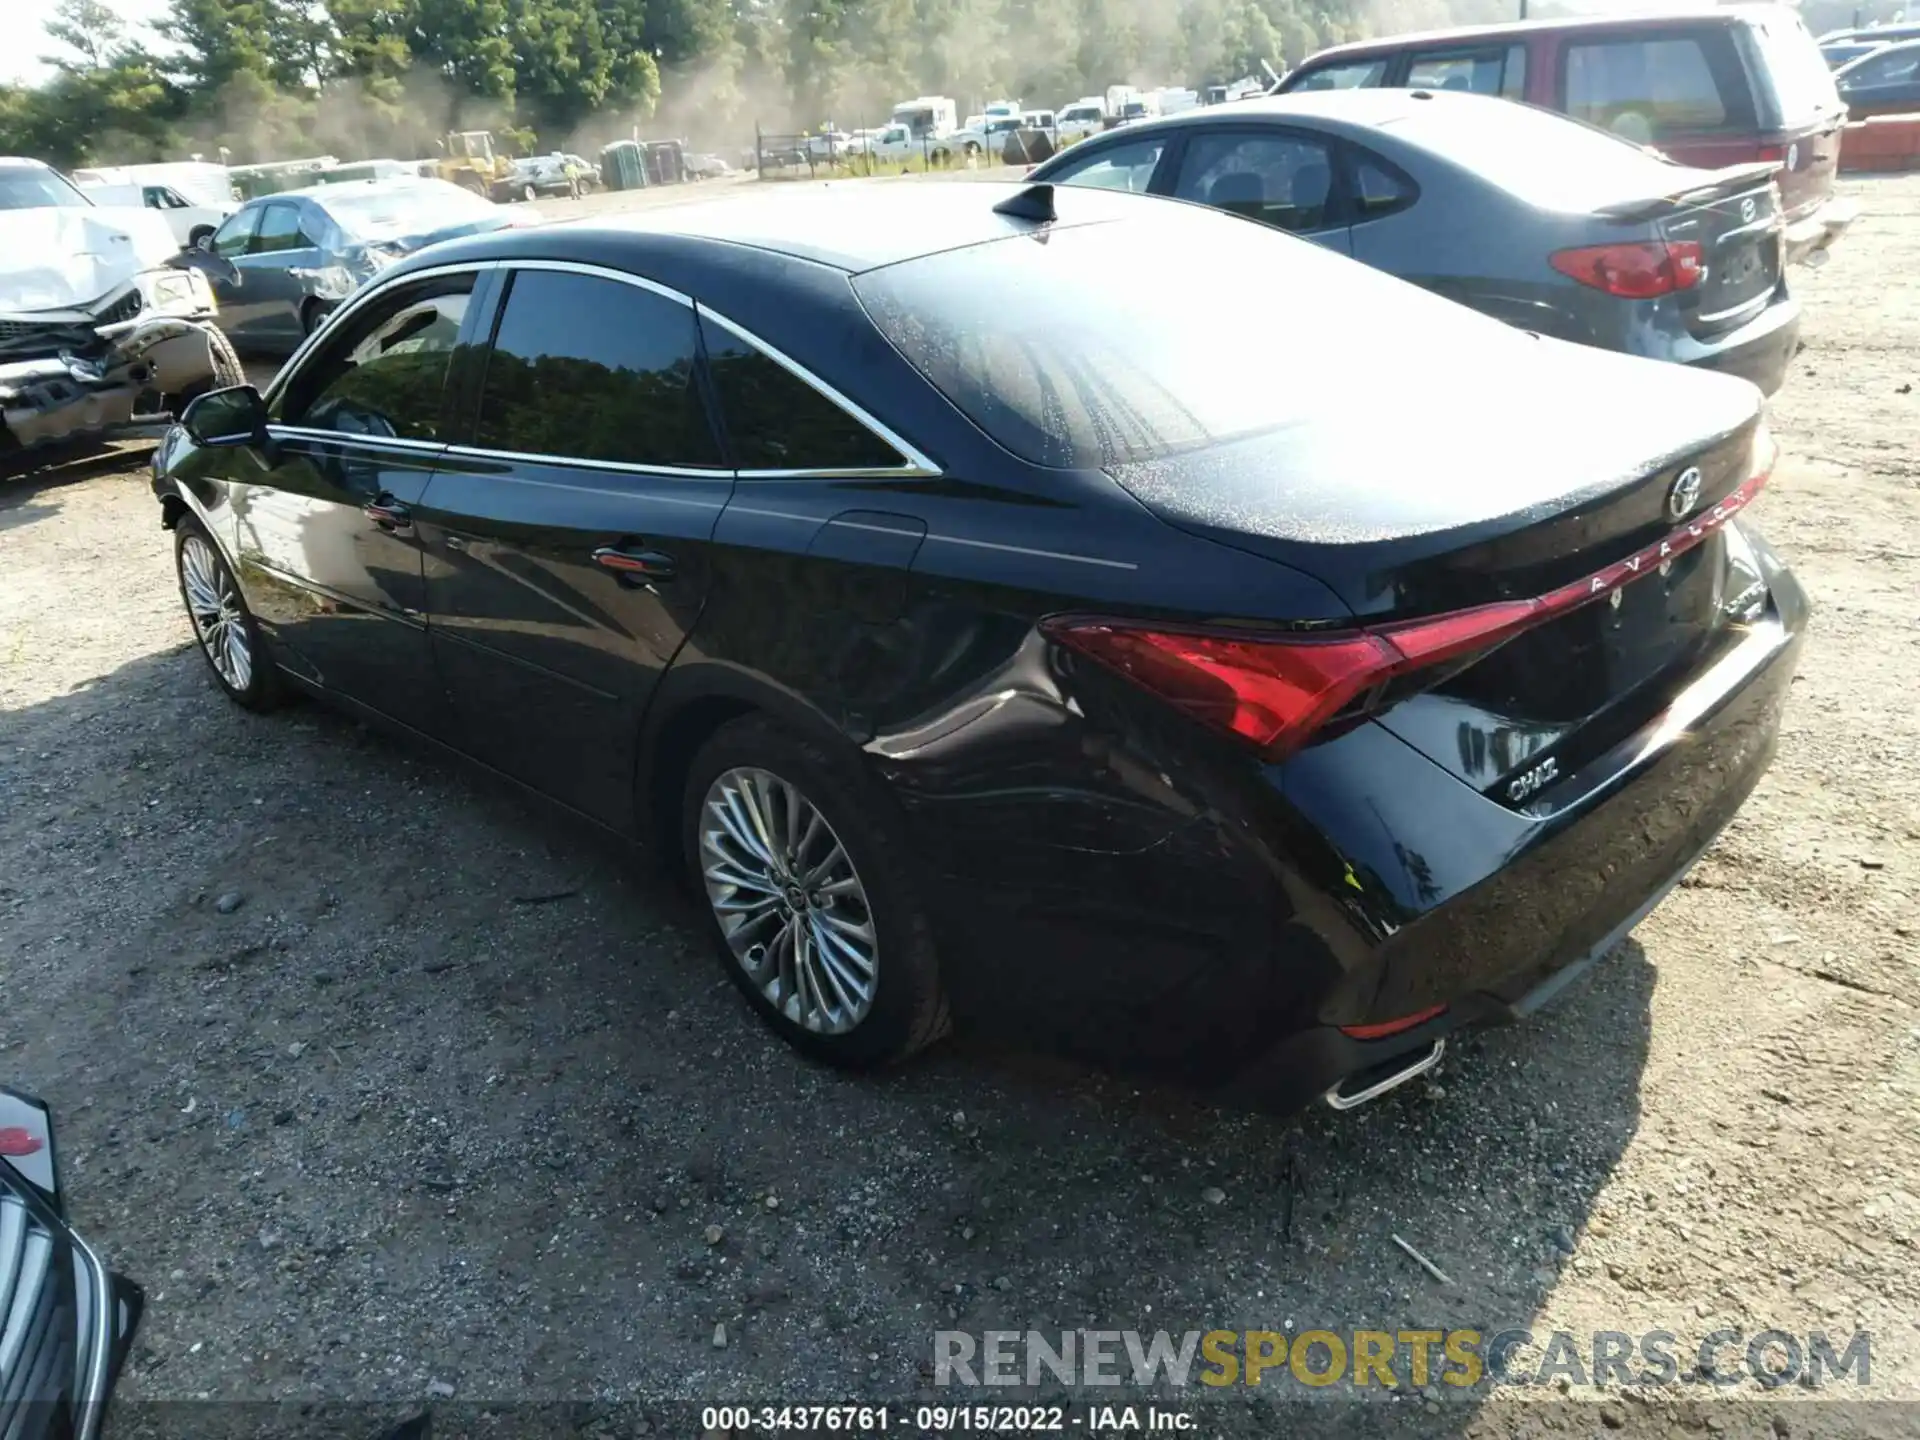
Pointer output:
x,y
385,1082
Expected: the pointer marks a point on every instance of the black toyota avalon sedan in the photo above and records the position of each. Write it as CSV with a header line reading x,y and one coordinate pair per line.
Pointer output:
x,y
1040,605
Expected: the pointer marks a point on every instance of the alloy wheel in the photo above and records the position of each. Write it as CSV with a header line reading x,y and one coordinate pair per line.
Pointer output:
x,y
789,902
213,604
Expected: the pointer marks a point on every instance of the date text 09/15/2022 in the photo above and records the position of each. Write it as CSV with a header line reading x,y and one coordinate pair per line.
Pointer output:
x,y
943,1419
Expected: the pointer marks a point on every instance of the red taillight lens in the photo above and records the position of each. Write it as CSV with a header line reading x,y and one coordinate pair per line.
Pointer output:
x,y
1772,154
1259,690
1276,691
1639,270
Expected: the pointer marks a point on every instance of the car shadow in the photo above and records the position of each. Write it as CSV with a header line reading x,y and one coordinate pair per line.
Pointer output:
x,y
360,1032
27,476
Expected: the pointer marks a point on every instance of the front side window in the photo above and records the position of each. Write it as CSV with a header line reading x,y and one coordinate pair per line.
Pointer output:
x,y
1648,89
385,373
1500,71
589,368
279,230
1278,179
234,237
776,421
1354,75
1118,167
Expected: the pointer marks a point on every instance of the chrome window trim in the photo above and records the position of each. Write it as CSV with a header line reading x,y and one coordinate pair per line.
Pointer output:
x,y
917,466
347,437
618,467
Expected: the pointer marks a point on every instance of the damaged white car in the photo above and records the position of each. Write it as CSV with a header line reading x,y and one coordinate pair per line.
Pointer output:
x,y
103,333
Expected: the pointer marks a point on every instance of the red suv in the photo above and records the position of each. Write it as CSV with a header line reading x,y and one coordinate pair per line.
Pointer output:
x,y
1710,88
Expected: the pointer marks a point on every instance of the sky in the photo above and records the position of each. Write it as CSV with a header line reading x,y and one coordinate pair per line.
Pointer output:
x,y
23,27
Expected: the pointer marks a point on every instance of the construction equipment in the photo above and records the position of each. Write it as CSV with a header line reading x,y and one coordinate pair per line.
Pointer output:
x,y
469,161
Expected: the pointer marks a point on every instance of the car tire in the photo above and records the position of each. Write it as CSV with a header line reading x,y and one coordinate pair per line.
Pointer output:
x,y
312,314
227,369
529,193
866,903
224,628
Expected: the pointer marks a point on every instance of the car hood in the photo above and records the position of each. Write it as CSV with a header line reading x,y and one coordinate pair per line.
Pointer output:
x,y
58,258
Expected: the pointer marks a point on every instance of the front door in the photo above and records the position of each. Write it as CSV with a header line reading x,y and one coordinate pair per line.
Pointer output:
x,y
567,547
324,529
1282,178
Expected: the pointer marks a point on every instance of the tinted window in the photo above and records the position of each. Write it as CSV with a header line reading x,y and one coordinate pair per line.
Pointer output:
x,y
385,373
1483,72
594,369
1067,375
1117,167
1643,90
1355,75
776,421
1278,179
33,187
279,230
1378,189
232,238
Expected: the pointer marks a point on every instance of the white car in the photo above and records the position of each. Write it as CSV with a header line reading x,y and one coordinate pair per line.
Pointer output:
x,y
102,331
189,223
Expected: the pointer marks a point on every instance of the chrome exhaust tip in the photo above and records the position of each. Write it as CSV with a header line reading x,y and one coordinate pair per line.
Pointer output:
x,y
1339,1099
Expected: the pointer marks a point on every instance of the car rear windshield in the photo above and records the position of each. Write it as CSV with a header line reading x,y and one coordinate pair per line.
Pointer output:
x,y
1802,82
1545,159
1077,347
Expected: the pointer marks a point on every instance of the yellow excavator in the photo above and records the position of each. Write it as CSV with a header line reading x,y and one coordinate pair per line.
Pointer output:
x,y
468,159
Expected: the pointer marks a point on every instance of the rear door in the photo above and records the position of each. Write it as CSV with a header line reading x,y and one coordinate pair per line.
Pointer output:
x,y
1280,177
568,538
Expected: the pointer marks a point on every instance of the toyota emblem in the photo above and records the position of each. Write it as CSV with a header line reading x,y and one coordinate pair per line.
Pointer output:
x,y
1685,493
1747,209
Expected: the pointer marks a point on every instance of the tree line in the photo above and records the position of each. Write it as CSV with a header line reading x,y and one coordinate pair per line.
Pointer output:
x,y
278,79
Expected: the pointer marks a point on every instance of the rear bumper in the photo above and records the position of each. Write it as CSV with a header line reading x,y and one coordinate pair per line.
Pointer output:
x,y
1814,234
1573,886
1760,351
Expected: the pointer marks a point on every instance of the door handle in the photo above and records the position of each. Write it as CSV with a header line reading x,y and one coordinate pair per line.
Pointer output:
x,y
388,513
638,565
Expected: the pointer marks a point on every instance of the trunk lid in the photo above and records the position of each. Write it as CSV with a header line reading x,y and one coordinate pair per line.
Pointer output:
x,y
1733,216
1799,107
1590,465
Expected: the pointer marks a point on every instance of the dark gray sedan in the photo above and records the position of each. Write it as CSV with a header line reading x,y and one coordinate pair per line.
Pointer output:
x,y
282,262
1530,217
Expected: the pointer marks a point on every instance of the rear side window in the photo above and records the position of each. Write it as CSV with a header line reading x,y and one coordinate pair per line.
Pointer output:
x,y
1379,189
1278,179
593,369
1802,83
1354,75
776,421
1647,89
1498,71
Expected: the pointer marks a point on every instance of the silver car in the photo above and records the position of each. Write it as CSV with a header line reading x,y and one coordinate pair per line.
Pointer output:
x,y
283,262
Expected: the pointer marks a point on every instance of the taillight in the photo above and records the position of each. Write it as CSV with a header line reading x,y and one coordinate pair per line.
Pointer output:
x,y
1633,270
1772,154
1276,691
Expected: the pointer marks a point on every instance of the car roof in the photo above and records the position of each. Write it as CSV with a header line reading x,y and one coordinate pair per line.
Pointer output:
x,y
24,160
377,184
849,225
1633,20
1348,112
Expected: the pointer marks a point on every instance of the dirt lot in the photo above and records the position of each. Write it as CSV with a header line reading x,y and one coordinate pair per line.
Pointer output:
x,y
381,1079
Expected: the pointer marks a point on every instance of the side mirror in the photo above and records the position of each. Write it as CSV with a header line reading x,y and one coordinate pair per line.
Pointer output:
x,y
234,416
